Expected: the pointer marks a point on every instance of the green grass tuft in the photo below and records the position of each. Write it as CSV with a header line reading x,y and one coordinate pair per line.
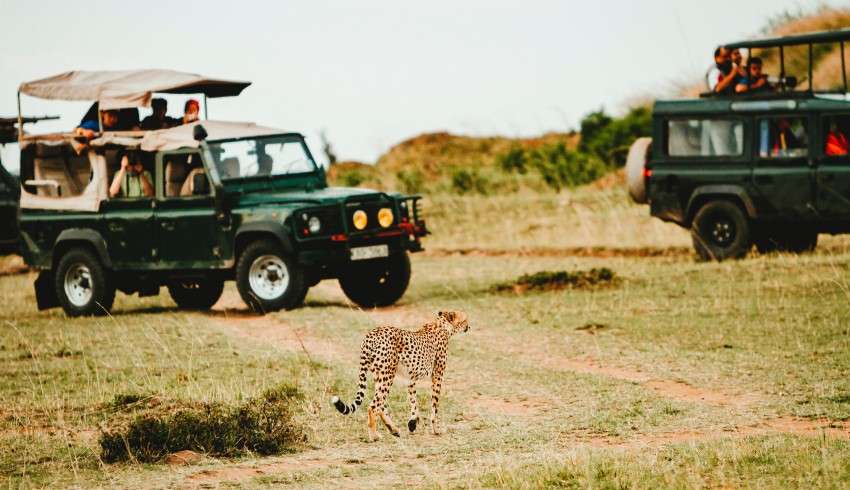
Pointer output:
x,y
551,280
262,425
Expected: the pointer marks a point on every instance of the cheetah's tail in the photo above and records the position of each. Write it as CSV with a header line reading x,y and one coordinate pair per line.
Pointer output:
x,y
361,392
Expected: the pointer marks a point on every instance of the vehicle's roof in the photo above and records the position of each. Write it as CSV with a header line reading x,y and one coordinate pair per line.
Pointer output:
x,y
834,36
127,88
731,105
183,136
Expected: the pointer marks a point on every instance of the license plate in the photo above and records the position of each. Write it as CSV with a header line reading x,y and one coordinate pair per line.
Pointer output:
x,y
373,252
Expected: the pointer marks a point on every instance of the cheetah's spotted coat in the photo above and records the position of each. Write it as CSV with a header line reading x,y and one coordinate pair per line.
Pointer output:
x,y
422,353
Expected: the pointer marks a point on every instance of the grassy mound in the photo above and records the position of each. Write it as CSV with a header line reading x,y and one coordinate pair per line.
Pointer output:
x,y
552,280
262,425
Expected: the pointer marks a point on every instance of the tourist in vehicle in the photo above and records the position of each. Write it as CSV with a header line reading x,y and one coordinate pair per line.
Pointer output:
x,y
90,127
784,140
191,111
836,142
159,119
722,76
131,180
755,81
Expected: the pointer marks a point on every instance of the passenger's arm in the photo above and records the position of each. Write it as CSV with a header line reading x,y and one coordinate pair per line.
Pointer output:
x,y
115,188
725,82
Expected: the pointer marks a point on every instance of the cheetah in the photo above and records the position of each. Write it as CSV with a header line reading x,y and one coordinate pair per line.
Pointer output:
x,y
422,353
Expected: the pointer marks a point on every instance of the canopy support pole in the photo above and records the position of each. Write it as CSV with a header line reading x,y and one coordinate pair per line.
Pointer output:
x,y
20,120
843,68
782,63
206,113
811,82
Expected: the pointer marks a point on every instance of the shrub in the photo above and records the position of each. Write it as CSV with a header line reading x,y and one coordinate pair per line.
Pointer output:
x,y
411,181
549,280
560,167
512,161
465,181
262,425
609,139
351,178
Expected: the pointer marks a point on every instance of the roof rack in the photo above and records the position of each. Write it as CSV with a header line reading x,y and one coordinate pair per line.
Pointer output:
x,y
807,39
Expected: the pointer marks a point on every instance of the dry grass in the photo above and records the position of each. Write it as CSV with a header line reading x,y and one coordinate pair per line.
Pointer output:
x,y
686,374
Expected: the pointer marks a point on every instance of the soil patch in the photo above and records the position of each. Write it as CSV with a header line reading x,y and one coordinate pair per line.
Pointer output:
x,y
505,406
12,265
675,390
593,252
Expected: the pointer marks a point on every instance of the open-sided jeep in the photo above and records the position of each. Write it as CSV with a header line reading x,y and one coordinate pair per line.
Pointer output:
x,y
232,201
745,170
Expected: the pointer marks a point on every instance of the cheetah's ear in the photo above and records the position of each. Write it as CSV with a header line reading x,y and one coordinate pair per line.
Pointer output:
x,y
441,314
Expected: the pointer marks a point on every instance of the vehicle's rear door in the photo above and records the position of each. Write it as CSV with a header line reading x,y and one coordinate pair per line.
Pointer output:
x,y
833,167
127,226
189,234
782,174
700,152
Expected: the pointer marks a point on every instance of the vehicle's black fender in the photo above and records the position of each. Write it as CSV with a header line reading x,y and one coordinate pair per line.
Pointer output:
x,y
708,192
247,231
82,235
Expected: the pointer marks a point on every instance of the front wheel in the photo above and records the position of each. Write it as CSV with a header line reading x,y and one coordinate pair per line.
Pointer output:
x,y
83,286
379,282
720,231
268,279
196,294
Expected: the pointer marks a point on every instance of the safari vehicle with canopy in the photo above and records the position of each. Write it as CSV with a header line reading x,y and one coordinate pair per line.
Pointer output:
x,y
768,169
231,201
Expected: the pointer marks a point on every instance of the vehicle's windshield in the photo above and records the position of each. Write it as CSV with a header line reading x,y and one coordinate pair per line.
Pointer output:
x,y
261,157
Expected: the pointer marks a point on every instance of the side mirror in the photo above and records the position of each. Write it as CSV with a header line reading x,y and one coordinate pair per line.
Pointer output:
x,y
200,185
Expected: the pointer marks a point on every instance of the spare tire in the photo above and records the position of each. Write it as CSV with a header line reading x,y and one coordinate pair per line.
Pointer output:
x,y
635,163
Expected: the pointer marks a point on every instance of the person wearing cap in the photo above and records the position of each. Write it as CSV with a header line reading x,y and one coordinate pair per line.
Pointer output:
x,y
159,119
191,111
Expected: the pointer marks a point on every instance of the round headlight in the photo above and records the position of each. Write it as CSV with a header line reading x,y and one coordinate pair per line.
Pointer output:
x,y
385,217
360,219
314,224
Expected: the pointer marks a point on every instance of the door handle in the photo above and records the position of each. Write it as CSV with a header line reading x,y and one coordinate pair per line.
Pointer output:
x,y
113,226
167,225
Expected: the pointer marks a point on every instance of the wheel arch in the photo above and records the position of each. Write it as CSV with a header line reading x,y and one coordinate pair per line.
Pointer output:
x,y
733,193
250,232
80,237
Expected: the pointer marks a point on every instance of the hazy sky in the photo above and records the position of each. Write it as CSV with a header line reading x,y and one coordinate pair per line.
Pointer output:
x,y
373,73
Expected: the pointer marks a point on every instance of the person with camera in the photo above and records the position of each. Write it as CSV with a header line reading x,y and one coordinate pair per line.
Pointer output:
x,y
131,180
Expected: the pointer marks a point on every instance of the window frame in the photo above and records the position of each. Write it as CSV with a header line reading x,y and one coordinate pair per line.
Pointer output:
x,y
160,179
759,159
824,129
745,137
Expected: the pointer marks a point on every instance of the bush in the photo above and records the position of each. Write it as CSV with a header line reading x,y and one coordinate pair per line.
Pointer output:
x,y
560,167
351,178
549,280
512,161
465,181
261,425
411,181
609,139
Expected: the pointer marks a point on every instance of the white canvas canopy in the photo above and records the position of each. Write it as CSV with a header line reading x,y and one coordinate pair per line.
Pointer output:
x,y
127,88
183,136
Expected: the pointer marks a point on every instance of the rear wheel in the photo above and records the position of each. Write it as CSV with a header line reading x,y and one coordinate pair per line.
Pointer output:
x,y
196,294
379,282
83,286
268,279
720,231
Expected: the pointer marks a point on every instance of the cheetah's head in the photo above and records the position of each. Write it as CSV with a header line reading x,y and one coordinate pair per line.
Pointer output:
x,y
457,319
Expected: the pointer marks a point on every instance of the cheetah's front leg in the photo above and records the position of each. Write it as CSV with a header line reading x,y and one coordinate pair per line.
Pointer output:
x,y
436,384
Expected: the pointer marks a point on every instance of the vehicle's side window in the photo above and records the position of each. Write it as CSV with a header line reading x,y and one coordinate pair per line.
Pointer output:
x,y
183,174
705,137
783,137
835,130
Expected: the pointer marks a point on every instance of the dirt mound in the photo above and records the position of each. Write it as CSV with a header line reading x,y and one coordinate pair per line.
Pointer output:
x,y
12,264
432,153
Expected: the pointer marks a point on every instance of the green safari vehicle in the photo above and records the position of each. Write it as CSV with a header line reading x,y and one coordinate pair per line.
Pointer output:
x,y
231,201
769,169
